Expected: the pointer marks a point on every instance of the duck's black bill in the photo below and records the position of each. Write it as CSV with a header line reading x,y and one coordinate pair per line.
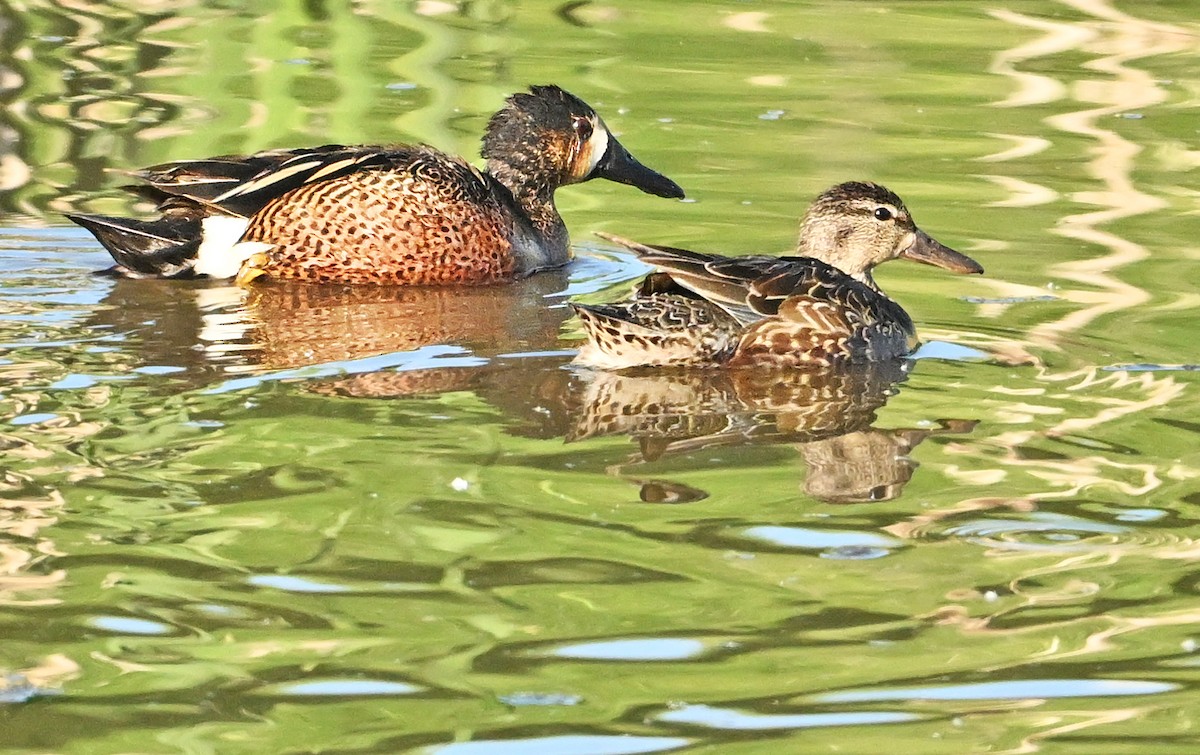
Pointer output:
x,y
932,252
620,166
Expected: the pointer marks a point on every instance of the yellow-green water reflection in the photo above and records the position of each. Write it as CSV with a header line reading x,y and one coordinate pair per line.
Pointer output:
x,y
286,519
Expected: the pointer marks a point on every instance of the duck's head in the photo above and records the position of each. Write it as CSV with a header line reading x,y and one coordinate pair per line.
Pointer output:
x,y
856,225
548,137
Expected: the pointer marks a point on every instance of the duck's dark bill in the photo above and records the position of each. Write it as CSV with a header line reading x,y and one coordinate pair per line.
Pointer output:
x,y
932,252
620,166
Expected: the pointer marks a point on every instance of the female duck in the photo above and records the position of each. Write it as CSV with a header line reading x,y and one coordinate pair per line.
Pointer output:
x,y
817,309
368,214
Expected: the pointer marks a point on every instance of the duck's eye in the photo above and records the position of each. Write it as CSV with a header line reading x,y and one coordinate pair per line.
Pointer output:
x,y
883,213
583,128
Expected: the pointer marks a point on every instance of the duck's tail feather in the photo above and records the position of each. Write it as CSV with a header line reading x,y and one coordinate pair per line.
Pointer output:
x,y
163,248
615,338
644,250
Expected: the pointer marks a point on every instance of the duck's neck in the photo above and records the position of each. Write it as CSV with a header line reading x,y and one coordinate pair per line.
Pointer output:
x,y
866,278
534,198
823,242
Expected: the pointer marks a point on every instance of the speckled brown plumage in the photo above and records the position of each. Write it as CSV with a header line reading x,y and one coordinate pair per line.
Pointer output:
x,y
392,214
822,308
788,312
664,329
424,219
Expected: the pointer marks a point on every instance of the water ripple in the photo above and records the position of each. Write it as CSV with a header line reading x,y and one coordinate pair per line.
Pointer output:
x,y
641,649
1025,689
340,688
567,744
835,544
126,625
526,699
1048,532
299,584
728,718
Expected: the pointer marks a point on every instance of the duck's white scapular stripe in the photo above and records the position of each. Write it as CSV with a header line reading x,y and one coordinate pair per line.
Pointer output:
x,y
256,184
222,251
598,145
339,165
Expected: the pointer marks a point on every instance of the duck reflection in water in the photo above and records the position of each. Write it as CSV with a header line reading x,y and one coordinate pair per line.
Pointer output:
x,y
297,325
215,331
504,345
825,415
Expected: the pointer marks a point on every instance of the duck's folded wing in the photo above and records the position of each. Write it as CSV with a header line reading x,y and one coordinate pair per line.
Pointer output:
x,y
212,176
724,281
795,276
806,331
243,184
812,279
821,317
814,315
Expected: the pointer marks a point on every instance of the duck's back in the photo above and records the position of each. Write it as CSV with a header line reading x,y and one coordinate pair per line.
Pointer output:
x,y
796,311
396,214
713,311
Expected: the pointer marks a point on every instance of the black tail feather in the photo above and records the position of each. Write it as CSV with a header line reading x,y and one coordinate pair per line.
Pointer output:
x,y
163,248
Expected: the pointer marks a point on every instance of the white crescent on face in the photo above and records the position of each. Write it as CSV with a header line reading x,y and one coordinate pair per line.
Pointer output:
x,y
597,145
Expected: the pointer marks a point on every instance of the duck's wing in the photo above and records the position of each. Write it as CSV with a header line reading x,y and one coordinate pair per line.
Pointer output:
x,y
815,315
162,248
727,282
243,184
753,287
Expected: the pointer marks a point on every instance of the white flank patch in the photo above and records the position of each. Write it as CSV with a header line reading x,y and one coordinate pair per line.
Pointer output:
x,y
598,144
220,254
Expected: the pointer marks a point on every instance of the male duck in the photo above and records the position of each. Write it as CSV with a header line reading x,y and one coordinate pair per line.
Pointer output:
x,y
380,214
817,309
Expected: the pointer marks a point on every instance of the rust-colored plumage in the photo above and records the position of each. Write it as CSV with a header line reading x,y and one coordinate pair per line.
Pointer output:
x,y
818,308
425,220
369,214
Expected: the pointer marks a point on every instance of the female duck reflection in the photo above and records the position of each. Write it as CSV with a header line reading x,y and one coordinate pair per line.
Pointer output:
x,y
825,415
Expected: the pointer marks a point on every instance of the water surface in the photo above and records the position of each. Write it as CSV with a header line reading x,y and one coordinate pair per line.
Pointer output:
x,y
295,519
